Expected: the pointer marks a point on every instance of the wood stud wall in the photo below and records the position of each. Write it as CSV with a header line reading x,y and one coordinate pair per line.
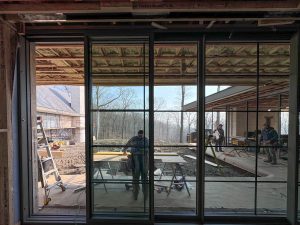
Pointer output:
x,y
7,56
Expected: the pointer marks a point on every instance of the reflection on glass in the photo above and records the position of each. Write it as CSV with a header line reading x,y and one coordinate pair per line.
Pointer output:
x,y
119,121
255,117
175,128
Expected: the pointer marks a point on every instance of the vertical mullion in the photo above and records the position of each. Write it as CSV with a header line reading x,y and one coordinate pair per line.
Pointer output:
x,y
88,156
145,155
279,117
212,119
247,115
200,128
293,137
151,125
257,108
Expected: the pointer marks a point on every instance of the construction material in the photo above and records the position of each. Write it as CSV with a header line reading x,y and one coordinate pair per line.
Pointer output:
x,y
240,145
47,165
208,144
206,161
179,184
128,153
55,154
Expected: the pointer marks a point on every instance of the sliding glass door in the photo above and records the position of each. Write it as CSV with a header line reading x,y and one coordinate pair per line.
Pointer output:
x,y
143,129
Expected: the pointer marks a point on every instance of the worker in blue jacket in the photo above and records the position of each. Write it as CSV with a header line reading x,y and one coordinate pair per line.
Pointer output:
x,y
139,155
269,139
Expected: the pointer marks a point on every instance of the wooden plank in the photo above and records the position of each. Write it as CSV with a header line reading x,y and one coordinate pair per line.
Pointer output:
x,y
55,154
206,161
211,23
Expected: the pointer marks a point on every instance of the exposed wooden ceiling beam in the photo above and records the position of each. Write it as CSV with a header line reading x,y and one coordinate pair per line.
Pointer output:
x,y
60,46
241,98
163,7
163,57
111,57
263,22
58,68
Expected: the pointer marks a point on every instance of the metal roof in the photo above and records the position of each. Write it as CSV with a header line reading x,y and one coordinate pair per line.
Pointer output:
x,y
54,101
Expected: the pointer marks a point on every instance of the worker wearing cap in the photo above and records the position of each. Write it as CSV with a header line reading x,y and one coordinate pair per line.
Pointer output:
x,y
139,154
219,138
269,139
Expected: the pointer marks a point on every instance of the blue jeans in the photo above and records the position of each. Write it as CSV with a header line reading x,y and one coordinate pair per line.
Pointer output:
x,y
218,145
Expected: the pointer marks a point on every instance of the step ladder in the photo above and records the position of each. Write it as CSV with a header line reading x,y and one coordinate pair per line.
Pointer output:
x,y
47,166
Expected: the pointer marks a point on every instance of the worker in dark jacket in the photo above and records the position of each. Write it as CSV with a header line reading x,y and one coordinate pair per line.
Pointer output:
x,y
139,154
219,137
269,139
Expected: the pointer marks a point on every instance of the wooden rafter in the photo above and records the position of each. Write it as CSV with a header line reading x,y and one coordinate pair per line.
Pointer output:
x,y
229,64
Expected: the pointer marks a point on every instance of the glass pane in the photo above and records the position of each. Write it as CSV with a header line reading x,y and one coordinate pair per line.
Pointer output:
x,y
120,135
175,76
230,79
179,98
273,95
175,127
175,180
115,128
116,186
271,198
230,127
119,98
232,198
58,105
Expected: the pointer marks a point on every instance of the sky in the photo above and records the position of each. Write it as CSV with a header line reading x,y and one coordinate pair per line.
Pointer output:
x,y
167,97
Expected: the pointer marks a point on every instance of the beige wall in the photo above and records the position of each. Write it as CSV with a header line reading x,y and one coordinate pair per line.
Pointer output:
x,y
238,122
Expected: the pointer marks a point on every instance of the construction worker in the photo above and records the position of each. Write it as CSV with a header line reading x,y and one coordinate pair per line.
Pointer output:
x,y
219,138
139,155
269,139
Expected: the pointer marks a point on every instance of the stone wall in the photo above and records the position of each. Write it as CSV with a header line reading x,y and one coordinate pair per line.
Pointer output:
x,y
73,159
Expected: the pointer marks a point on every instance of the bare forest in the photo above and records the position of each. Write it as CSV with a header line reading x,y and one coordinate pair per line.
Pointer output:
x,y
118,113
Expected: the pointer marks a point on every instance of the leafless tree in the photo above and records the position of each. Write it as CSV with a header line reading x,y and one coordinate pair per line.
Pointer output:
x,y
126,100
101,99
191,118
